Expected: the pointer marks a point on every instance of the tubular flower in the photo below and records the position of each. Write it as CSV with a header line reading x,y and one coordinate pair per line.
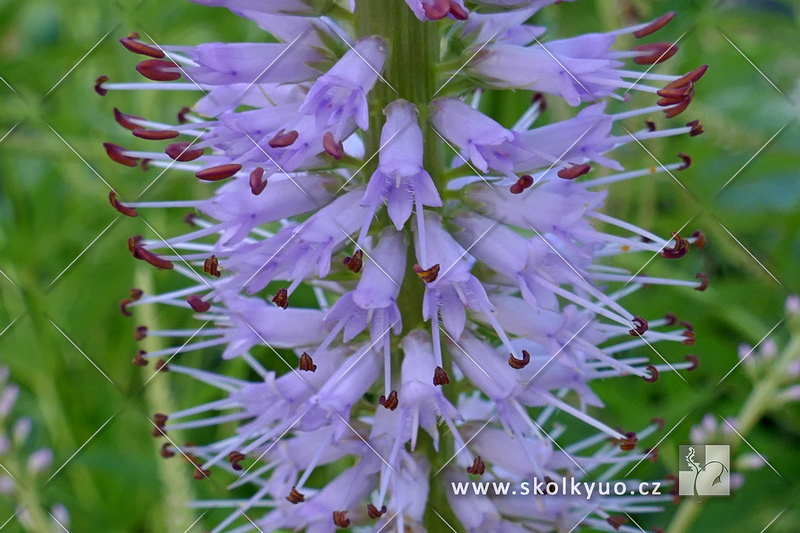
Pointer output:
x,y
416,287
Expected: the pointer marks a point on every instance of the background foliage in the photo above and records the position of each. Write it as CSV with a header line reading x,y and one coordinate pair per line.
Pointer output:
x,y
56,224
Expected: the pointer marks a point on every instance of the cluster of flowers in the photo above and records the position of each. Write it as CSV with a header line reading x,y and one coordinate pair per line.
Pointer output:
x,y
488,307
20,474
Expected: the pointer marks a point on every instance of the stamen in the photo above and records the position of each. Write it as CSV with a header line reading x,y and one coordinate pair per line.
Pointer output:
x,y
654,26
655,53
126,121
282,140
651,126
616,521
116,204
640,327
355,262
182,115
340,519
198,304
391,402
235,458
189,218
162,366
652,454
139,252
437,10
141,333
98,85
689,338
132,43
139,359
334,148
115,152
541,99
307,363
687,162
159,70
692,358
257,184
653,374
699,240
373,511
628,442
281,298
575,171
519,363
680,249
211,266
703,282
670,319
440,377
457,11
155,135
295,496
429,275
219,172
166,453
688,78
159,420
478,467
522,183
135,295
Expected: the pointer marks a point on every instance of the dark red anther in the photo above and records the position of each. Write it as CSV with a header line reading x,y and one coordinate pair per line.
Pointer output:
x,y
659,422
373,511
98,85
673,112
541,100
692,358
133,242
139,359
132,43
391,402
200,474
116,153
126,121
688,78
703,282
116,204
697,128
524,181
427,275
159,420
680,249
478,467
198,304
670,319
616,521
653,377
235,458
307,363
283,139
687,161
689,338
640,327
183,152
355,262
517,364
438,10
340,519
257,183
189,218
296,496
162,366
159,70
440,377
333,147
142,253
166,453
654,26
628,442
575,171
458,12
182,115
155,135
135,293
699,239
211,266
656,529
655,53
141,333
220,172
652,454
145,164
281,298
650,125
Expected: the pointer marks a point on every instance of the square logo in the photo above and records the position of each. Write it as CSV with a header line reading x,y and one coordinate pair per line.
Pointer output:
x,y
704,470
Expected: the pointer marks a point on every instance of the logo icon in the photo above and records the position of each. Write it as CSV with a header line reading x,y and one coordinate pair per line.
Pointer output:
x,y
704,470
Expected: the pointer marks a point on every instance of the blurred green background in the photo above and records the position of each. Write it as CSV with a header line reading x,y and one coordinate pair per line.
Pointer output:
x,y
56,224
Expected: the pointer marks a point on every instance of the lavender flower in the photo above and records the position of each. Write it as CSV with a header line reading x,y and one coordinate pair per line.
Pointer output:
x,y
482,314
